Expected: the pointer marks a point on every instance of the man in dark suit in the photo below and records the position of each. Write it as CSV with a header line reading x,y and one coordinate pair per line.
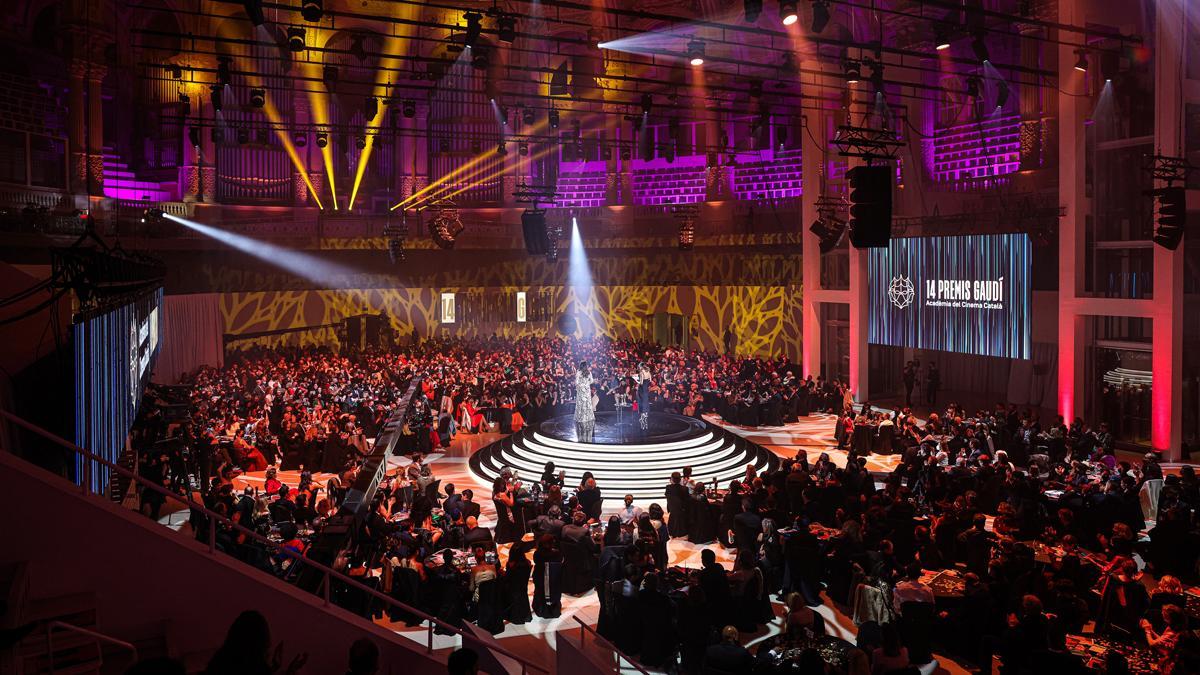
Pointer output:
x,y
469,508
746,527
715,583
474,535
728,656
578,532
549,523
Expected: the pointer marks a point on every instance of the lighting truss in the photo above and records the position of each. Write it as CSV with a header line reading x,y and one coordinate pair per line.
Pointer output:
x,y
867,143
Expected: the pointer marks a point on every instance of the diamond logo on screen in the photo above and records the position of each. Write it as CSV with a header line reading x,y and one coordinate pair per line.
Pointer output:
x,y
901,291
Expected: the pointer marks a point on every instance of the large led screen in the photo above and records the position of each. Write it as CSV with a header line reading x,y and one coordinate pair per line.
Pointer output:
x,y
966,294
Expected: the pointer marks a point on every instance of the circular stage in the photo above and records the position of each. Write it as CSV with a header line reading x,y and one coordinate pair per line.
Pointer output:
x,y
623,459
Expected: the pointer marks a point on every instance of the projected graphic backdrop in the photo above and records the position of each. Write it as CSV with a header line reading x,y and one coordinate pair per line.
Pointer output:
x,y
966,294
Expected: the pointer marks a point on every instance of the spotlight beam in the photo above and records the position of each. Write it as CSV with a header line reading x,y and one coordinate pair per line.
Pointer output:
x,y
495,174
394,51
457,173
319,105
322,272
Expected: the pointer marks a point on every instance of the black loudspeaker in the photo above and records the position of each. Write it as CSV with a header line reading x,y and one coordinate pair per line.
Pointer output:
x,y
533,224
870,205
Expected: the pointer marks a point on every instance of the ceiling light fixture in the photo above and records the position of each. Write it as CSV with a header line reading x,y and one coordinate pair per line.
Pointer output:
x,y
312,10
1082,63
979,46
695,50
295,38
820,15
787,12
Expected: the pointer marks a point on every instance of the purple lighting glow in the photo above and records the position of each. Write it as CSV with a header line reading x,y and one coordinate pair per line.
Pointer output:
x,y
985,149
774,175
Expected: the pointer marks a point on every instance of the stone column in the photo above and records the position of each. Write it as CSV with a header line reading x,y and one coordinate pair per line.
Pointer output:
x,y
77,126
95,127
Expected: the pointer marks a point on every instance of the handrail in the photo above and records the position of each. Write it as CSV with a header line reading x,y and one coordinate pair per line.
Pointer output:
x,y
51,625
214,518
584,629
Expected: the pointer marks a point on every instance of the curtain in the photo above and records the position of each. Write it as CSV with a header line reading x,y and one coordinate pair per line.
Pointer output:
x,y
192,336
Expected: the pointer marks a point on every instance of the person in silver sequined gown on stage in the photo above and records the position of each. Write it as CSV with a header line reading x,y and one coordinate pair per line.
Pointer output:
x,y
585,411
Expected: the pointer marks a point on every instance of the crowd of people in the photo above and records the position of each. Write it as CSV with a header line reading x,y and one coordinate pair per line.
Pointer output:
x,y
1034,528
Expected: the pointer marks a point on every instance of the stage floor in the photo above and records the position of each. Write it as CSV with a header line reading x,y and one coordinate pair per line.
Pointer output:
x,y
623,457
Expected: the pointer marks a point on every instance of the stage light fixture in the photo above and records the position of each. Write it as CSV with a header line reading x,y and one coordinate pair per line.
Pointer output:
x,y
217,94
194,136
753,9
787,12
687,234
254,11
480,59
979,46
941,37
647,103
528,116
299,139
973,87
501,149
695,50
258,98
152,216
523,149
217,134
329,74
552,117
877,75
853,71
474,28
1081,64
224,76
1001,94
360,142
243,136
295,38
186,102
506,28
830,231
626,154
174,70
370,108
312,10
322,139
409,108
820,15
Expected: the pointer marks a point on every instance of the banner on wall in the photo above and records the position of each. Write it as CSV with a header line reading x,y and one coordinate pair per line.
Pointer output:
x,y
969,294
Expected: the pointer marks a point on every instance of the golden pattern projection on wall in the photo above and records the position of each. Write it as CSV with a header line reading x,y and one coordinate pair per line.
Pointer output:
x,y
765,320
490,269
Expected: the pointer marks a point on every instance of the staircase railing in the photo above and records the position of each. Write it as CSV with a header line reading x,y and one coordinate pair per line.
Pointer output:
x,y
585,630
215,520
70,628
